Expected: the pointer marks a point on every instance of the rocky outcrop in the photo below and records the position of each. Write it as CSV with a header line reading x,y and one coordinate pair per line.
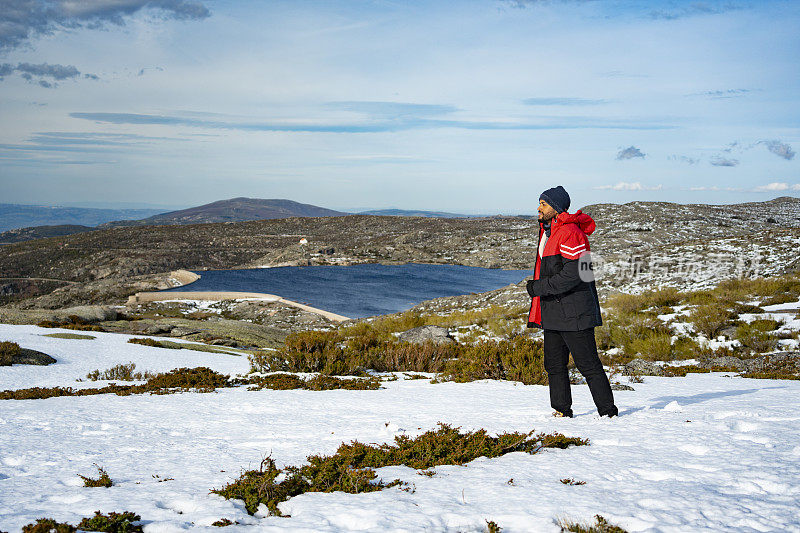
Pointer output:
x,y
423,334
32,357
642,367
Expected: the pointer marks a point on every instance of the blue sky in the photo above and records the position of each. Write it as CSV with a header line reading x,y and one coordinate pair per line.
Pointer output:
x,y
468,106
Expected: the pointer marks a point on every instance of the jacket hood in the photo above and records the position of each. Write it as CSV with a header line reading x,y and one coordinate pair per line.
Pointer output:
x,y
584,221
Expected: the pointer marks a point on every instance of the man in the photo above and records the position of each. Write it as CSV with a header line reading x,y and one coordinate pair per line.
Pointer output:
x,y
564,305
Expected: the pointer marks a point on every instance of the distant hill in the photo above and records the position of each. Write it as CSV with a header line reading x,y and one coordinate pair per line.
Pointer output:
x,y
409,213
233,210
41,232
14,216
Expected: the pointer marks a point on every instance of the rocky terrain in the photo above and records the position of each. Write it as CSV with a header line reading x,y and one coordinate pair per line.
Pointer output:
x,y
639,244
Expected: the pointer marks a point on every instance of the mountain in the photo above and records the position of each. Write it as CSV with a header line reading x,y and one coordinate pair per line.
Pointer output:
x,y
410,213
14,216
41,232
233,210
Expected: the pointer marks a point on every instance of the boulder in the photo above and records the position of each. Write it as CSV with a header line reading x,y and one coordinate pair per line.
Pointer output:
x,y
157,329
24,356
423,334
640,366
727,361
89,313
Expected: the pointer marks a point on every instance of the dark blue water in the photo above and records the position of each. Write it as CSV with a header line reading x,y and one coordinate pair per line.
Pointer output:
x,y
359,291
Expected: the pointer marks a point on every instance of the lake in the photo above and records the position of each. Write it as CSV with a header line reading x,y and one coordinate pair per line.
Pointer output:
x,y
359,291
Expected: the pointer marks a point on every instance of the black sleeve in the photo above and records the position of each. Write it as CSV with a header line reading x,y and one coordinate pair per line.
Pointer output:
x,y
566,279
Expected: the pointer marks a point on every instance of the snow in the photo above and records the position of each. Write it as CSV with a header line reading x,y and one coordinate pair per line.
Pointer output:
x,y
701,453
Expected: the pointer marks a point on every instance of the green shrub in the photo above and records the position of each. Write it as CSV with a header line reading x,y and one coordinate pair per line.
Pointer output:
x,y
351,468
112,522
711,318
200,379
103,479
655,346
492,527
48,525
601,525
8,350
756,335
570,481
317,383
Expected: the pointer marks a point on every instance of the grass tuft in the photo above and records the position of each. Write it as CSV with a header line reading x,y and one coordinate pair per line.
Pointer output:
x,y
73,336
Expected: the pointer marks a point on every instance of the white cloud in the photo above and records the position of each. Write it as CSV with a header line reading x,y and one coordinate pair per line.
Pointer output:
x,y
630,186
778,186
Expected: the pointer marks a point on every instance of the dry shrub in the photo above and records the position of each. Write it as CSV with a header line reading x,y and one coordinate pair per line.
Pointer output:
x,y
8,350
710,319
121,372
756,336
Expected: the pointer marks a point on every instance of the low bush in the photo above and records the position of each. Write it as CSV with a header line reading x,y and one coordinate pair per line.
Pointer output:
x,y
351,468
8,350
756,336
601,525
48,525
112,522
102,480
108,523
520,359
570,481
317,383
121,372
146,341
711,318
72,322
199,379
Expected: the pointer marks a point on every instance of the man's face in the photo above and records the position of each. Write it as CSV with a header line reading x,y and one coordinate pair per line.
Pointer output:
x,y
546,212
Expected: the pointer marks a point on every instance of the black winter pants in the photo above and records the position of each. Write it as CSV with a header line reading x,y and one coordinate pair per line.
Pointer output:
x,y
581,344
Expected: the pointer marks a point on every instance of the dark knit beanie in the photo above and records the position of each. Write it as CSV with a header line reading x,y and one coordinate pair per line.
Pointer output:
x,y
557,198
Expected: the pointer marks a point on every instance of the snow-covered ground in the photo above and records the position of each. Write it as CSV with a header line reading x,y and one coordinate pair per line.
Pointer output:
x,y
703,453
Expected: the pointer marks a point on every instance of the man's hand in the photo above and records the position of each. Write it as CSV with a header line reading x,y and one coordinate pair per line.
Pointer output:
x,y
530,288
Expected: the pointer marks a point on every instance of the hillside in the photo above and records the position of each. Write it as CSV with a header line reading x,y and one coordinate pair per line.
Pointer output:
x,y
233,210
41,232
642,244
13,216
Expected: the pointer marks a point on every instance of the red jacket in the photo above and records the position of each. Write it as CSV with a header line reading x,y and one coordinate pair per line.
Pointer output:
x,y
563,291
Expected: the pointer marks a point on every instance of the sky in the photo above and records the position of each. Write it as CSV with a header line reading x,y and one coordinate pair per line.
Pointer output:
x,y
463,106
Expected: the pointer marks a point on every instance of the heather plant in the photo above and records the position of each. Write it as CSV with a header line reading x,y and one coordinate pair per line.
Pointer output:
x,y
121,372
601,525
112,522
352,468
48,525
102,480
7,352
